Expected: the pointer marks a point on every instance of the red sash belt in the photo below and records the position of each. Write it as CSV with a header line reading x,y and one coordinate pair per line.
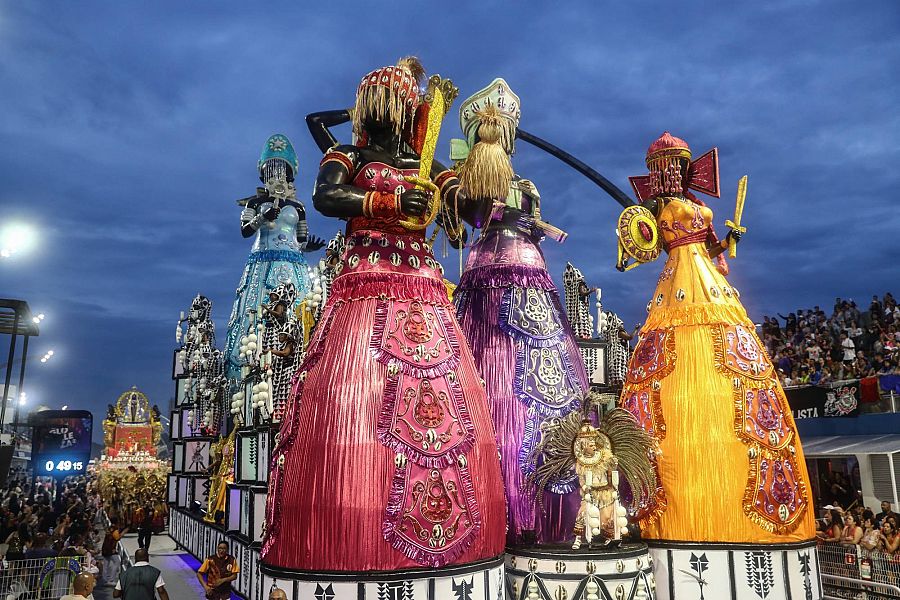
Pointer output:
x,y
691,238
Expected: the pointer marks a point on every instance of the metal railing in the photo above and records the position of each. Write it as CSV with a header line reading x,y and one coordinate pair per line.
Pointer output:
x,y
859,574
38,578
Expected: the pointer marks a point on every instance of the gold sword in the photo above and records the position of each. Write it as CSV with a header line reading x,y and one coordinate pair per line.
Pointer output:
x,y
440,95
738,211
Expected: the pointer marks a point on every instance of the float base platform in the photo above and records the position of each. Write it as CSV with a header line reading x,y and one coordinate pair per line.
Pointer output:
x,y
556,572
736,572
475,581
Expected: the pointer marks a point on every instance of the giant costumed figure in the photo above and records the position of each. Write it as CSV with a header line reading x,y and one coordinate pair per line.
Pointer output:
x,y
203,362
278,220
510,312
733,513
386,471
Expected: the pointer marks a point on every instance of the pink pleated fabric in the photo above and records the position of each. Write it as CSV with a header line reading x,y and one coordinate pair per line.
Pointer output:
x,y
386,461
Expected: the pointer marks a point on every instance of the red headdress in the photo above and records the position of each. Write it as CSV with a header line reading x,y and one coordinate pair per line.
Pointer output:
x,y
665,171
391,93
663,160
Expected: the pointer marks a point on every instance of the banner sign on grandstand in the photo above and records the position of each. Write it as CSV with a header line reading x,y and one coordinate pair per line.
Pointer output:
x,y
813,401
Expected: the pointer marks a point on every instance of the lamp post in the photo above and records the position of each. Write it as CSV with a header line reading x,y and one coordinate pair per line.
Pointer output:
x,y
21,384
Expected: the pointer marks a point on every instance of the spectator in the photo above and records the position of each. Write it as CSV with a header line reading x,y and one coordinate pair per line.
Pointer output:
x,y
849,348
852,532
885,513
833,529
783,360
145,527
82,587
811,350
871,539
875,308
12,503
39,548
142,581
890,540
840,490
220,570
18,542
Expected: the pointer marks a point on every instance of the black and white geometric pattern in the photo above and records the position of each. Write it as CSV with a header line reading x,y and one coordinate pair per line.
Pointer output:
x,y
735,571
621,574
618,349
760,577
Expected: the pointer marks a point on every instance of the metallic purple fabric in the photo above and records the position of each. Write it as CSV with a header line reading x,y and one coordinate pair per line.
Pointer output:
x,y
500,263
499,246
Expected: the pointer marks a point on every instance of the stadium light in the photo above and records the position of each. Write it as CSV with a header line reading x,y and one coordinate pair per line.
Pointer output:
x,y
16,238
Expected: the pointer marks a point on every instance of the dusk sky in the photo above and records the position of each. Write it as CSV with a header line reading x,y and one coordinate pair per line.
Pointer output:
x,y
130,129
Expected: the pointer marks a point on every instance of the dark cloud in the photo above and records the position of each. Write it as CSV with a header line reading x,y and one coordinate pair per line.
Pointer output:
x,y
130,130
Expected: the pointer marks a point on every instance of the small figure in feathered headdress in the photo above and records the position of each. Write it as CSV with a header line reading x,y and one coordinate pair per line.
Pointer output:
x,y
599,454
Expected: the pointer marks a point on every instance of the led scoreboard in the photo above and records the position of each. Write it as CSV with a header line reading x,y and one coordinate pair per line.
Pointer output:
x,y
61,442
65,467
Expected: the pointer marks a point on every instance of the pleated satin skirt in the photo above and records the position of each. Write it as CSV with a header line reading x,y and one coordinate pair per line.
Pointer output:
x,y
730,462
500,261
387,459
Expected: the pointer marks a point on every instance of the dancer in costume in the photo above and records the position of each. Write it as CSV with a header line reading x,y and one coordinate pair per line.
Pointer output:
x,y
578,302
598,454
278,219
731,466
281,347
221,473
612,331
386,459
510,312
203,362
328,267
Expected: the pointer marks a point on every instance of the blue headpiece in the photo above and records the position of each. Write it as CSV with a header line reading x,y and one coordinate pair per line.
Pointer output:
x,y
279,146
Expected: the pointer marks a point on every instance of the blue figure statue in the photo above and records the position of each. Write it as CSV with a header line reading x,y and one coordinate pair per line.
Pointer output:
x,y
279,221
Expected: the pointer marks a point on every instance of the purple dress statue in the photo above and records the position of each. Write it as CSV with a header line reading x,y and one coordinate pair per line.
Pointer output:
x,y
510,313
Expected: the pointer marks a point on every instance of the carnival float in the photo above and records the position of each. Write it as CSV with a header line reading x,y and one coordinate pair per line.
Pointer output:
x,y
131,476
363,435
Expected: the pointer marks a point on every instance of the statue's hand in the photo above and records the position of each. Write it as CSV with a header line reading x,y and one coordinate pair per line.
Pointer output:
x,y
271,213
528,187
459,242
734,234
414,203
314,243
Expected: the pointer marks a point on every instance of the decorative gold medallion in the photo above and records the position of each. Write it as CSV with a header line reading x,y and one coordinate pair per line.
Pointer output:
x,y
638,236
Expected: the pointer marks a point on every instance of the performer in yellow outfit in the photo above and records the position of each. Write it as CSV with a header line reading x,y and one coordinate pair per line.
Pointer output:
x,y
730,463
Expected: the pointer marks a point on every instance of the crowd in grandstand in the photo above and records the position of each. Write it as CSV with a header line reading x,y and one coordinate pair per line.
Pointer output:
x,y
812,347
860,526
37,524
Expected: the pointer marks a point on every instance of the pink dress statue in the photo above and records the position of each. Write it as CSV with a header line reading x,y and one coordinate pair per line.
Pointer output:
x,y
387,459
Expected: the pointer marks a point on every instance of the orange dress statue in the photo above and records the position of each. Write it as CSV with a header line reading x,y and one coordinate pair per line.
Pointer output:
x,y
700,381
